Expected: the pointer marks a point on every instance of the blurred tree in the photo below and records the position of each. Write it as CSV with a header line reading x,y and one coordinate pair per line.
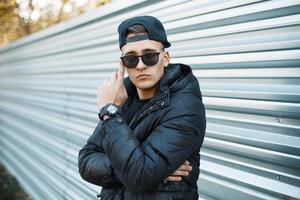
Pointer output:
x,y
23,17
8,20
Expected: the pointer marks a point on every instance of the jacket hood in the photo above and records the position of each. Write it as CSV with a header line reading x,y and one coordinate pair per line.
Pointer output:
x,y
177,77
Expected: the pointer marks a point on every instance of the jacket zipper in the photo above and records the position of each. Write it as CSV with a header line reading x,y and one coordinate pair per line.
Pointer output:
x,y
149,107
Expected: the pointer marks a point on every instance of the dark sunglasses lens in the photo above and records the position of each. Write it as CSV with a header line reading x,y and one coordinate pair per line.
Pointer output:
x,y
150,59
130,61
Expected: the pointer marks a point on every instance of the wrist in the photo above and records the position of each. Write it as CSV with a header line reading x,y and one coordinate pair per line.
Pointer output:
x,y
107,111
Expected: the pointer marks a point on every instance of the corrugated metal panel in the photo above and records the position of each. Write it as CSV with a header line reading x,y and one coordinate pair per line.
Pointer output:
x,y
245,53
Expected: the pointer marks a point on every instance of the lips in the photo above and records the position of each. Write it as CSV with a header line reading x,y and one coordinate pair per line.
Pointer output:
x,y
142,75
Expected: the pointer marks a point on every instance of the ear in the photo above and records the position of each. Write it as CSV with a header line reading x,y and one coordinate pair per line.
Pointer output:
x,y
166,58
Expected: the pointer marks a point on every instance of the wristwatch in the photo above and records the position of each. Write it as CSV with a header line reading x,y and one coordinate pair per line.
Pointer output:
x,y
110,109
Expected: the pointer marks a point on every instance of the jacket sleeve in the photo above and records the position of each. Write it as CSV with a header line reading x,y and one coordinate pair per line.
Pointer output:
x,y
94,165
141,166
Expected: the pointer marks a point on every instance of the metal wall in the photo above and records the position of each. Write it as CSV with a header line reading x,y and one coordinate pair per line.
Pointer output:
x,y
244,52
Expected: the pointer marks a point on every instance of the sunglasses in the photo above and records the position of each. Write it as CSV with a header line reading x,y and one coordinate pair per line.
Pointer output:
x,y
149,59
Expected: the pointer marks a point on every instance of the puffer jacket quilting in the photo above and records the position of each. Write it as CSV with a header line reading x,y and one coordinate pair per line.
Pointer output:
x,y
130,159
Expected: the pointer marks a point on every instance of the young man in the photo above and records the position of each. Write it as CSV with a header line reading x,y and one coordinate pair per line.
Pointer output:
x,y
152,122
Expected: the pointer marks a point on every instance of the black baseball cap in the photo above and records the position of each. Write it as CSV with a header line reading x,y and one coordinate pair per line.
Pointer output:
x,y
153,26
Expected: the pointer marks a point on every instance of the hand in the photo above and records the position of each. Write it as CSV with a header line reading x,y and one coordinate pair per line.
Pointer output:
x,y
122,94
183,170
112,91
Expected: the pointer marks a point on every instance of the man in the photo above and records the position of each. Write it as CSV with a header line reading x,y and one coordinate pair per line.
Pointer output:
x,y
152,122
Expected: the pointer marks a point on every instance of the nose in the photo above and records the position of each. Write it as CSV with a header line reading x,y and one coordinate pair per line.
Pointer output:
x,y
141,64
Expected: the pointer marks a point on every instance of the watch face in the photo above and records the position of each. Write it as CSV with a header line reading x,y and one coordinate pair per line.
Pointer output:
x,y
112,109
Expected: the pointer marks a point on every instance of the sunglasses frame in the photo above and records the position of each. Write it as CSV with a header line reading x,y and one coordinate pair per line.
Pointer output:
x,y
142,58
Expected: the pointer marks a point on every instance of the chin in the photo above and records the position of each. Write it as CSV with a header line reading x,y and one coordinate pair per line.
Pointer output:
x,y
145,85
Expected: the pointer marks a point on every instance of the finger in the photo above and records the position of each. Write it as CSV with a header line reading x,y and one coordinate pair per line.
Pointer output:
x,y
114,76
173,178
121,63
186,162
121,73
185,168
180,173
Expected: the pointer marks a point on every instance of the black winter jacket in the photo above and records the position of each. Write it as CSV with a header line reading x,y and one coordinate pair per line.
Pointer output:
x,y
130,160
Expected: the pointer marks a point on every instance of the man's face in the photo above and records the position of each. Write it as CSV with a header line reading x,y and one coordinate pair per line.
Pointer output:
x,y
151,74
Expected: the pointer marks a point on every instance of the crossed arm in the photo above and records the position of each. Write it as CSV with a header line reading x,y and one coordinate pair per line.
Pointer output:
x,y
142,166
95,166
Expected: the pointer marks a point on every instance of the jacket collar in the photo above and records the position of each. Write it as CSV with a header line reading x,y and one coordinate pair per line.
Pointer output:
x,y
176,76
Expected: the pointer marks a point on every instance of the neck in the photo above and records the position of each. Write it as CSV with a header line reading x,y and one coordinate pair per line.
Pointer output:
x,y
146,94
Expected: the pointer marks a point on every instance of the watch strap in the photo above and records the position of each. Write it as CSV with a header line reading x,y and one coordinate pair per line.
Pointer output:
x,y
104,111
